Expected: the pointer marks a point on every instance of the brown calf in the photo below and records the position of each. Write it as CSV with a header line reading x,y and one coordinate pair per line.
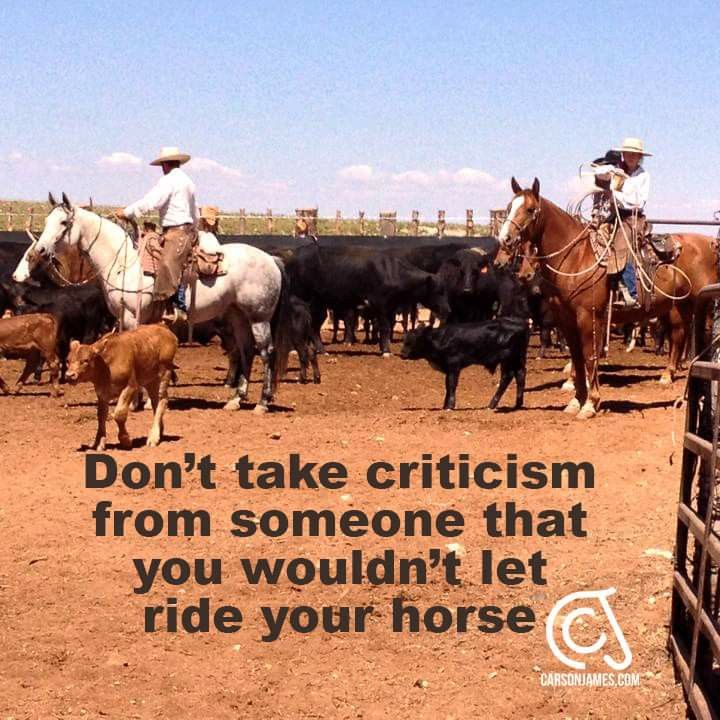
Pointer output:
x,y
119,365
32,338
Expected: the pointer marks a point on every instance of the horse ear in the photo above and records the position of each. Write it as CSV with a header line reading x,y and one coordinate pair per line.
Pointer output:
x,y
536,188
515,185
52,200
66,201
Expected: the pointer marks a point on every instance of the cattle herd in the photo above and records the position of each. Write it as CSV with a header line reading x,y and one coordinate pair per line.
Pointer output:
x,y
484,314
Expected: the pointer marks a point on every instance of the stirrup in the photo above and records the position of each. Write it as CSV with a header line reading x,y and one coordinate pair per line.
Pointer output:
x,y
624,300
177,315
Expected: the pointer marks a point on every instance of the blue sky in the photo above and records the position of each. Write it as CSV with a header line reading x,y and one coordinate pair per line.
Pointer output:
x,y
374,106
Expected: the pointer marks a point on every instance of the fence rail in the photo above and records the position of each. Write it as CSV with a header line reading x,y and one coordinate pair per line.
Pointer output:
x,y
20,216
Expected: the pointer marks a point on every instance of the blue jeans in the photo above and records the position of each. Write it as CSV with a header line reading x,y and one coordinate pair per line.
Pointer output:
x,y
179,298
629,278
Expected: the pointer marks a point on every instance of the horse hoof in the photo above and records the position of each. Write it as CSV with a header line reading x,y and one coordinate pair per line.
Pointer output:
x,y
152,441
232,404
573,407
125,442
148,404
568,386
386,354
586,412
260,409
568,368
666,379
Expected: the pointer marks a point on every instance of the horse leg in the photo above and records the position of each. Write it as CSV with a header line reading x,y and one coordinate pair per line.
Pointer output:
x,y
591,353
263,341
243,352
679,323
572,335
569,384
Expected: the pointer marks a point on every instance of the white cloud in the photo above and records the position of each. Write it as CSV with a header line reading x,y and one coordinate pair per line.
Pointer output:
x,y
473,176
357,173
413,177
201,164
119,160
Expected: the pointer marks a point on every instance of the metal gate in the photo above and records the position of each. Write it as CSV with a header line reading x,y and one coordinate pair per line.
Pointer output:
x,y
695,619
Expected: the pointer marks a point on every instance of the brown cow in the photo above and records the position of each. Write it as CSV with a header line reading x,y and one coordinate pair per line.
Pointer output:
x,y
119,365
32,338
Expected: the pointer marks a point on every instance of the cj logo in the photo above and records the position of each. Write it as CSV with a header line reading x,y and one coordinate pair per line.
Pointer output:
x,y
602,596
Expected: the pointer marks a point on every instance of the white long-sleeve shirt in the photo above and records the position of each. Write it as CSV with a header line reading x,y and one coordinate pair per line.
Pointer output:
x,y
173,197
635,190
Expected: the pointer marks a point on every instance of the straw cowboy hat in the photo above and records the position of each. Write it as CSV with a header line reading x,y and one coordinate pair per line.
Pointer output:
x,y
210,214
170,154
633,145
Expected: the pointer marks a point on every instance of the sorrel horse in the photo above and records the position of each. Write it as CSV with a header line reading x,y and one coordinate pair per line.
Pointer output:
x,y
578,286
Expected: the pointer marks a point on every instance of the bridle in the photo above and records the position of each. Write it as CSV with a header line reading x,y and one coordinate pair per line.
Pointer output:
x,y
68,225
513,246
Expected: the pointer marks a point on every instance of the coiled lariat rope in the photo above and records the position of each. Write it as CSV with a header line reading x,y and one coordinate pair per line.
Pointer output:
x,y
648,283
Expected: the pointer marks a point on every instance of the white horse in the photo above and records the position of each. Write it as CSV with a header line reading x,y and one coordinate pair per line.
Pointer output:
x,y
253,296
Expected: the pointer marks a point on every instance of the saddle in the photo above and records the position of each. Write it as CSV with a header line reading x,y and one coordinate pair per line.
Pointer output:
x,y
208,264
666,249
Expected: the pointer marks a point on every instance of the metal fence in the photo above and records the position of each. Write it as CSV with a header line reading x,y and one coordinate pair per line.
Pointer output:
x,y
695,617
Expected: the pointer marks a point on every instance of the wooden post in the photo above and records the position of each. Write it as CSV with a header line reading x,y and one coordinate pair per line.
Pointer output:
x,y
416,222
361,215
10,218
387,223
441,223
469,224
309,226
338,221
241,226
270,222
497,218
29,221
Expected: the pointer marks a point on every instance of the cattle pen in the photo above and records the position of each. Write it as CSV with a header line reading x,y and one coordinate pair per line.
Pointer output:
x,y
386,411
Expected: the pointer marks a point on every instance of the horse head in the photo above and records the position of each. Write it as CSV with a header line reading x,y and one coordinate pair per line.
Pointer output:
x,y
522,212
59,230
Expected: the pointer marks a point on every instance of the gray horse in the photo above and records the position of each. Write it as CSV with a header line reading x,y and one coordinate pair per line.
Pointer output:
x,y
253,296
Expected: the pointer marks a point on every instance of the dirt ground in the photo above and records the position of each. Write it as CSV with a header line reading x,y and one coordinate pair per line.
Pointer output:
x,y
71,627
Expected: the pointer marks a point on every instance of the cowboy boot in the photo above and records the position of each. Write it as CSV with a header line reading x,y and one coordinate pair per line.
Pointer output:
x,y
628,301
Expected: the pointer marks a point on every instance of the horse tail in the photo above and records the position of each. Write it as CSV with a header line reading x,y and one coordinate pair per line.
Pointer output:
x,y
281,325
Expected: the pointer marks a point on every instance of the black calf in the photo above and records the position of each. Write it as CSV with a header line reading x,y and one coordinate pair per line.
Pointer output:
x,y
451,348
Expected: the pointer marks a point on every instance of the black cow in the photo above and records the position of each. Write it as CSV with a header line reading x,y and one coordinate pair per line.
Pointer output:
x,y
80,310
347,277
431,257
502,341
471,284
449,349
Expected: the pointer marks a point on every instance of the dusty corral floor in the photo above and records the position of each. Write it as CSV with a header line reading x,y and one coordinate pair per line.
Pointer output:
x,y
71,627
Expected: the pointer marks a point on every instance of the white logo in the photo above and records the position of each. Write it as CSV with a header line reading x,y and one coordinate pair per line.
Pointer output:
x,y
602,596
